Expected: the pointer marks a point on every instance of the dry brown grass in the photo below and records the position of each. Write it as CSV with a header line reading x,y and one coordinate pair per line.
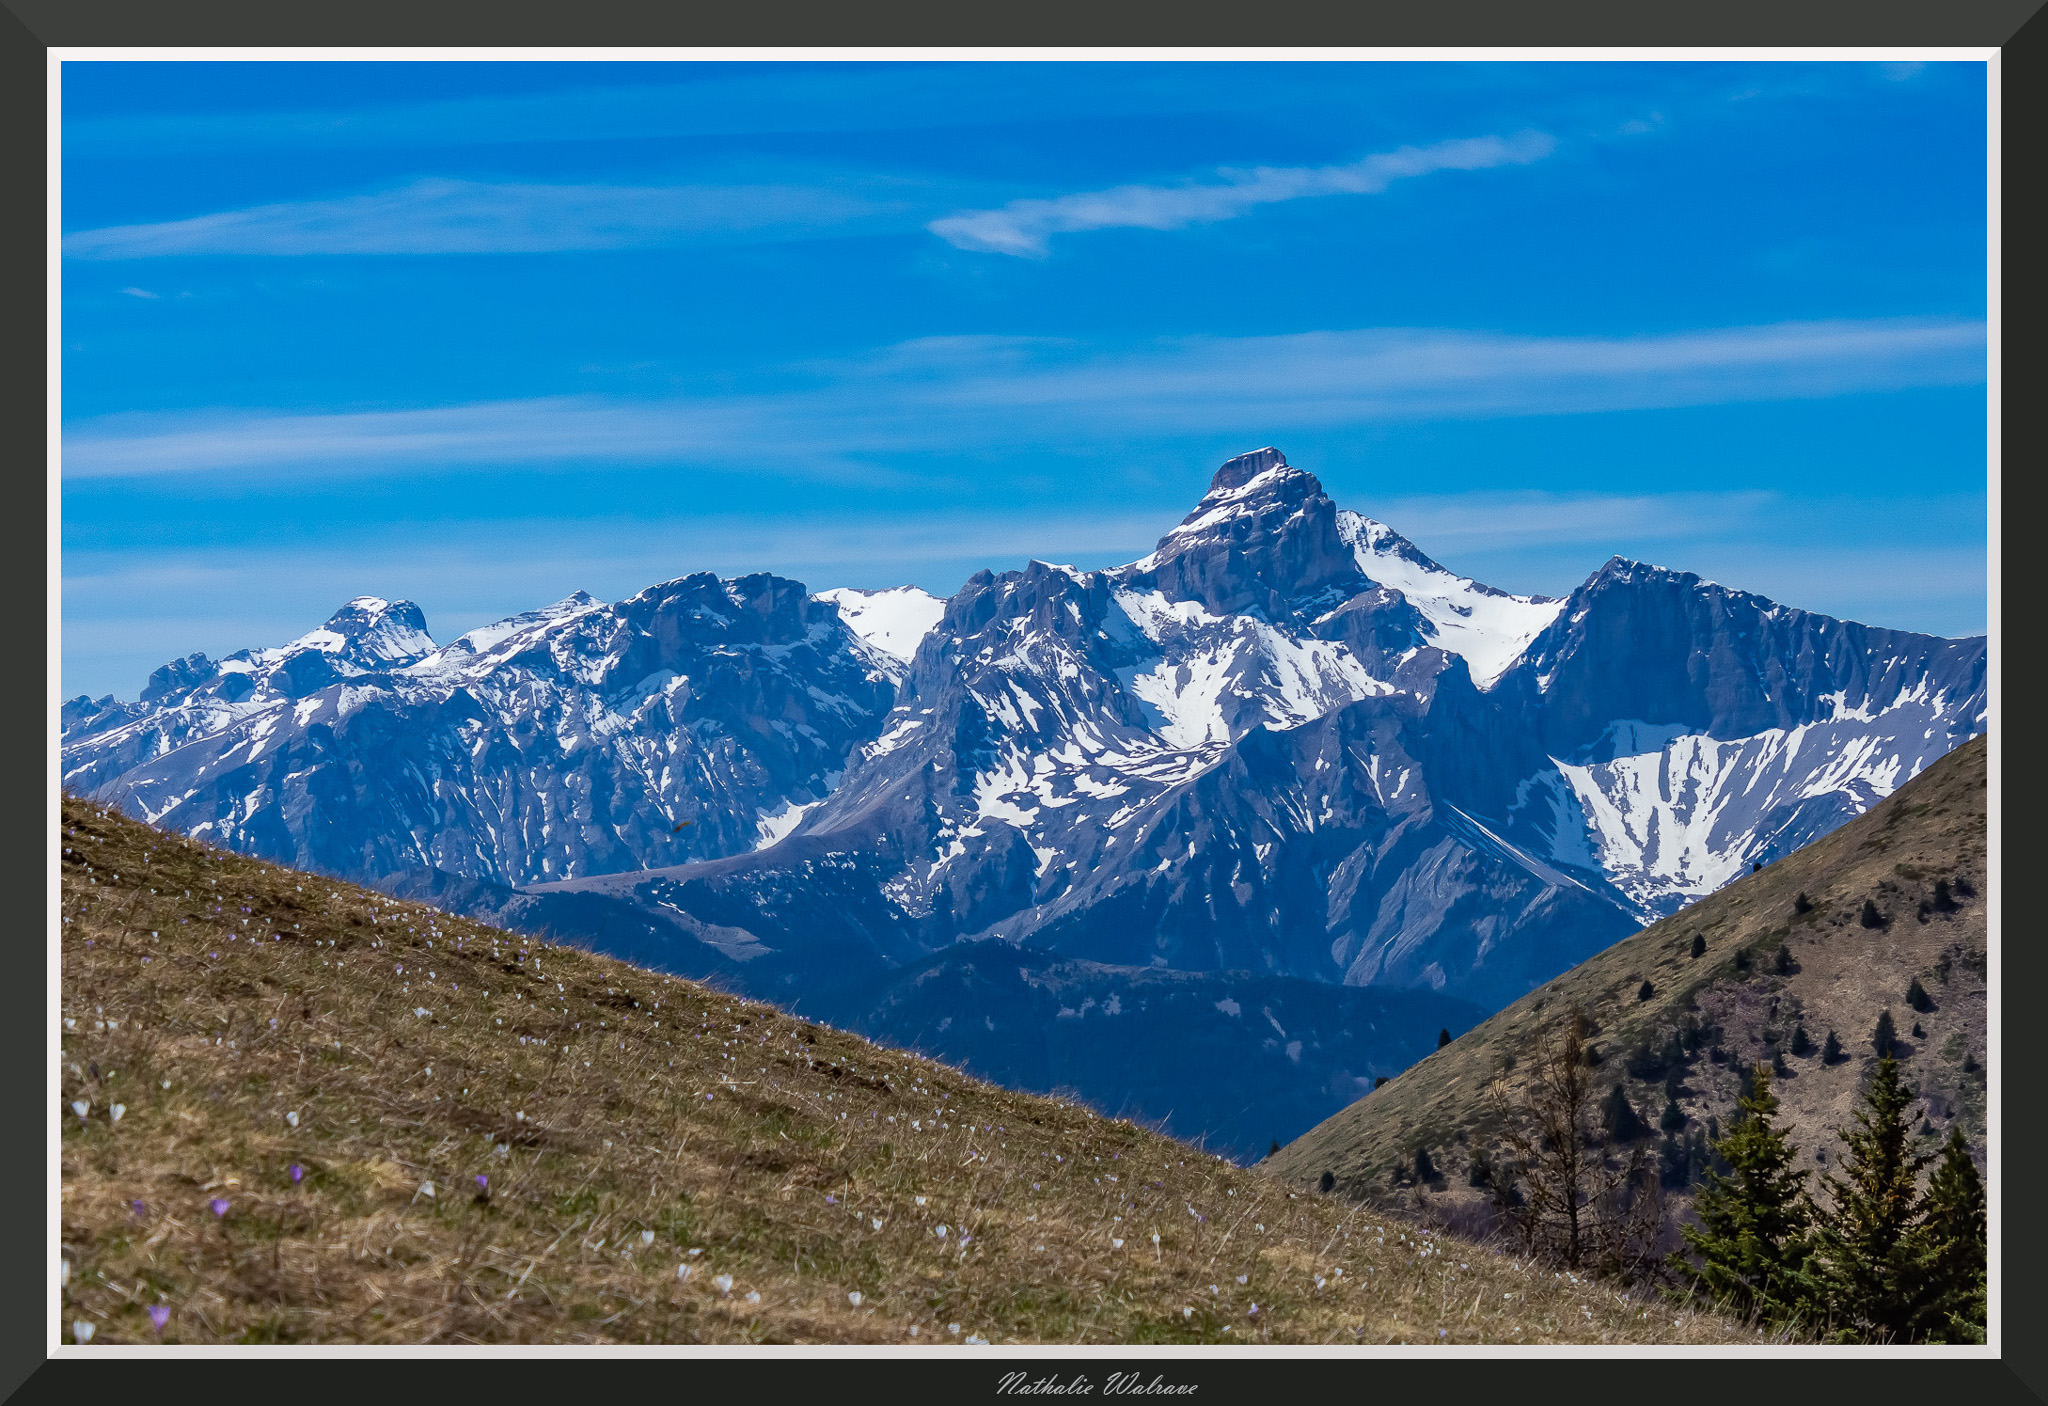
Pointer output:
x,y
630,1124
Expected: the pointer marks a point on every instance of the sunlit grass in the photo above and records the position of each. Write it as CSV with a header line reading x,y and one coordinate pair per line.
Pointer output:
x,y
502,1140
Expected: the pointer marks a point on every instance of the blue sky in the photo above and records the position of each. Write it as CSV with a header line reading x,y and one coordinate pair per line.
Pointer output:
x,y
482,334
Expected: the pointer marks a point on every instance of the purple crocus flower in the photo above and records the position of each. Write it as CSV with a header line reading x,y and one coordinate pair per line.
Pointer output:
x,y
139,1209
297,1172
159,1315
483,1182
217,1206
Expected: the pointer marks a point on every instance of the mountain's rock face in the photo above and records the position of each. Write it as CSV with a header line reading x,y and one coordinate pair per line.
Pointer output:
x,y
688,720
1285,746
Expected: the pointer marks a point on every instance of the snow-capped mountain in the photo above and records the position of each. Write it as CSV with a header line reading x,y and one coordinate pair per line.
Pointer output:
x,y
1287,741
687,721
1285,746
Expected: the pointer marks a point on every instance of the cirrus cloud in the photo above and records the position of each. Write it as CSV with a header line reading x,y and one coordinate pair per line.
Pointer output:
x,y
1022,227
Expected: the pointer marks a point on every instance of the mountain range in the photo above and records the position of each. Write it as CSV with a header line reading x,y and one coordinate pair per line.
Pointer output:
x,y
1285,791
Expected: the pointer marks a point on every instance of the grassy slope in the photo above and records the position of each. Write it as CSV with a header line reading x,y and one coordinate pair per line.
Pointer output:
x,y
1932,827
629,1124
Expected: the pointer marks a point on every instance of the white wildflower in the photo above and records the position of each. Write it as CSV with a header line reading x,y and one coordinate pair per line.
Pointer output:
x,y
82,1331
854,1298
722,1283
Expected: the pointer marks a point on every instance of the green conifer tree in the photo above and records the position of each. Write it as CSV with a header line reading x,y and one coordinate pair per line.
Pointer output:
x,y
1884,1038
1955,1257
1619,1117
1754,1240
1871,1240
1699,943
1831,1049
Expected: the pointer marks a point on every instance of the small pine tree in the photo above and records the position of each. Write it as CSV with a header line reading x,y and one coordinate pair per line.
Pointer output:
x,y
1754,1242
1802,1043
1802,904
1443,1037
1378,1079
1480,1172
1831,1049
1274,1150
1944,901
1645,991
1871,1239
1918,1033
1778,1065
1884,1038
1328,1183
1955,1259
1618,1116
1674,1116
1917,997
1870,917
1699,944
1425,1170
1782,963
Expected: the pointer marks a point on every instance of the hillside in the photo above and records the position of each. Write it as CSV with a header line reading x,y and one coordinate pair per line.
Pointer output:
x,y
1709,1017
295,1110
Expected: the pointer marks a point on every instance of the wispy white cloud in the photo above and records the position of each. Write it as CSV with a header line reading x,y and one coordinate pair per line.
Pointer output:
x,y
1022,227
439,216
956,394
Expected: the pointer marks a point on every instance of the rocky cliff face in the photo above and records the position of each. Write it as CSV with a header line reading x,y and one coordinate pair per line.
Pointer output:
x,y
1285,746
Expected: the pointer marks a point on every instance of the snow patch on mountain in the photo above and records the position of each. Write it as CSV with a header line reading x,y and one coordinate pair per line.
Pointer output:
x,y
781,820
1487,628
1689,813
894,621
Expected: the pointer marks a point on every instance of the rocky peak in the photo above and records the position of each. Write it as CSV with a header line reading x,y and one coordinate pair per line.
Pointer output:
x,y
1263,540
375,632
1238,472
